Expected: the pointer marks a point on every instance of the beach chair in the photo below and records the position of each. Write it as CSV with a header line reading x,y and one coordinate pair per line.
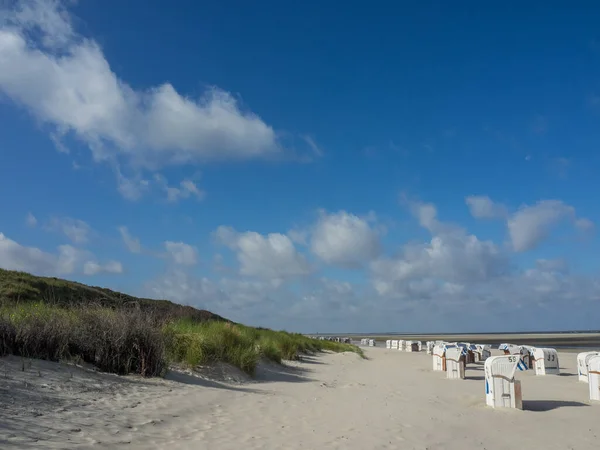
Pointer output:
x,y
482,352
501,388
408,346
439,358
510,349
388,343
395,344
469,352
455,363
430,345
545,361
527,355
594,377
583,360
372,343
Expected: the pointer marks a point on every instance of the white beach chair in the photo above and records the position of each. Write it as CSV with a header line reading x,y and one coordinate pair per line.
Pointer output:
x,y
372,343
545,361
455,363
429,346
388,343
527,355
408,346
439,358
510,349
395,344
594,377
583,360
501,388
482,352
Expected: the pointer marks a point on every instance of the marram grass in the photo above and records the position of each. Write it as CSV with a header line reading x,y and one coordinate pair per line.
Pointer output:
x,y
203,343
127,341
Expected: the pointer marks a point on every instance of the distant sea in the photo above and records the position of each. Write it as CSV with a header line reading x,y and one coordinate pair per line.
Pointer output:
x,y
564,340
395,333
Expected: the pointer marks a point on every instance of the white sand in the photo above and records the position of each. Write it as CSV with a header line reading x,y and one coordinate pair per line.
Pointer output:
x,y
331,401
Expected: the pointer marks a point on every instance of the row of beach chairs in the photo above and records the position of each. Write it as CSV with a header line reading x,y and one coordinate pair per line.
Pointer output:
x,y
404,346
502,389
369,342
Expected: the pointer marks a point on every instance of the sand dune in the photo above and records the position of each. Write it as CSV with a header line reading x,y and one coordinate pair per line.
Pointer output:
x,y
393,400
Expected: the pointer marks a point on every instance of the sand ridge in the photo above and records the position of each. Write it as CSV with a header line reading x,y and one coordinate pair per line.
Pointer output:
x,y
393,400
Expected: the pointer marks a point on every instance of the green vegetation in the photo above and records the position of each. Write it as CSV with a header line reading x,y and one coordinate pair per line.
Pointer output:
x,y
21,287
54,319
201,343
115,341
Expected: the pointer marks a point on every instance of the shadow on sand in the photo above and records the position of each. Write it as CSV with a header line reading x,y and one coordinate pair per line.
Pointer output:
x,y
268,373
306,359
549,405
474,377
193,380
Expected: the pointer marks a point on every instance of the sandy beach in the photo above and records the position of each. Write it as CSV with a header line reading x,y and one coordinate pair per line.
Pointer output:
x,y
392,400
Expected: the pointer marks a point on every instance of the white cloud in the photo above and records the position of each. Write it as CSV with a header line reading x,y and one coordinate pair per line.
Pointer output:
x,y
272,256
327,302
48,17
584,224
316,150
530,225
299,236
76,230
552,265
64,80
531,299
455,259
462,278
93,267
30,220
236,299
131,242
181,253
344,239
14,256
426,214
186,189
321,303
131,188
452,256
482,207
179,286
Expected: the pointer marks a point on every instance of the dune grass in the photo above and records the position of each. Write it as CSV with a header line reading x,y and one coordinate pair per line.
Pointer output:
x,y
202,343
21,287
129,340
121,342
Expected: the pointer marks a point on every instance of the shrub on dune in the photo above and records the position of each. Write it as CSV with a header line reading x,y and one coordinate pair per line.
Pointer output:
x,y
208,342
126,341
114,341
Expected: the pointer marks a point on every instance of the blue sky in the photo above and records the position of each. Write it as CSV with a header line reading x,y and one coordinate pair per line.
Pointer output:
x,y
397,167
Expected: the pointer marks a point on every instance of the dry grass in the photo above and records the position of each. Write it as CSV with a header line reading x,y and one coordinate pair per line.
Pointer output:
x,y
55,319
120,342
134,341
